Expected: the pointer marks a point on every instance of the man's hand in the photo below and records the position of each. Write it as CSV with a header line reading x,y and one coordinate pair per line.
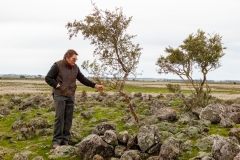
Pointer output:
x,y
99,87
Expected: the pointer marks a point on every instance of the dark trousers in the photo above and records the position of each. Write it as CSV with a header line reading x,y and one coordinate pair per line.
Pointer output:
x,y
63,118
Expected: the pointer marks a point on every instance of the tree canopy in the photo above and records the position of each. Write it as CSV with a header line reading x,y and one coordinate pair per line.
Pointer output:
x,y
115,54
199,52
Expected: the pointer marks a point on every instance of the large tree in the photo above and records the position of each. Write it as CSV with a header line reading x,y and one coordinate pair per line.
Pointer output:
x,y
199,52
116,57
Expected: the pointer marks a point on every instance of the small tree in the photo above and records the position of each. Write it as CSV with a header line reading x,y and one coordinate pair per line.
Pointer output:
x,y
116,56
199,51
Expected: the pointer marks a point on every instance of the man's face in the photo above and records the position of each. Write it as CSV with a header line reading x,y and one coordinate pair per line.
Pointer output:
x,y
72,60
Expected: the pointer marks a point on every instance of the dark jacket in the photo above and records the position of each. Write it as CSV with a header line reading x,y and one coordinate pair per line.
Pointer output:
x,y
64,75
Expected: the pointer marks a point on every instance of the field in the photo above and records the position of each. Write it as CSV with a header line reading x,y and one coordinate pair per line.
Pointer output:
x,y
29,86
40,144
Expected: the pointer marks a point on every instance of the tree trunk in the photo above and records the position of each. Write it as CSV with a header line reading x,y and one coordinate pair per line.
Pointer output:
x,y
127,98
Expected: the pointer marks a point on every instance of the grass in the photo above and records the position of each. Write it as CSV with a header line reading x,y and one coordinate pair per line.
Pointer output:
x,y
41,145
132,88
215,129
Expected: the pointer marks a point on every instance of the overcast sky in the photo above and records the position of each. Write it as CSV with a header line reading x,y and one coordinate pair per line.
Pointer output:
x,y
33,34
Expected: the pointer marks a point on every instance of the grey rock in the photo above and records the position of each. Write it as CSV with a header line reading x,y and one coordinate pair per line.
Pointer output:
x,y
131,154
27,133
235,132
97,157
237,157
206,142
203,156
92,145
155,149
235,107
166,114
215,112
184,119
45,132
187,146
123,137
212,113
192,131
226,123
156,105
18,125
119,150
19,156
235,117
132,141
38,123
139,94
170,149
153,158
110,137
147,137
197,110
38,158
224,148
113,158
86,114
64,151
4,111
100,129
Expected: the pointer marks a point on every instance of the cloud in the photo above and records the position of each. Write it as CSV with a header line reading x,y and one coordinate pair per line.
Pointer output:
x,y
33,33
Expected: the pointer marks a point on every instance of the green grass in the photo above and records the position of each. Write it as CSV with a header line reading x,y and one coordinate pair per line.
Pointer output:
x,y
215,129
41,145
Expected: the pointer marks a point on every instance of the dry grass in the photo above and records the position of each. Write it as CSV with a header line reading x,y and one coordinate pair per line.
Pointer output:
x,y
21,86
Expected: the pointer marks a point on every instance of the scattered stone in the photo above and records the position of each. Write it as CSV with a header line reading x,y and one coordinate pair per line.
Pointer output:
x,y
197,110
206,143
153,158
110,137
155,106
27,133
235,117
98,157
226,123
38,158
131,154
19,156
45,132
148,136
132,141
4,111
63,152
235,132
237,157
214,112
86,114
170,149
139,94
166,114
224,148
123,137
38,123
119,150
92,145
100,129
18,125
203,156
235,107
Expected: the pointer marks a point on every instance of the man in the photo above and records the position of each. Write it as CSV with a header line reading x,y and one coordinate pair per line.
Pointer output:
x,y
62,77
